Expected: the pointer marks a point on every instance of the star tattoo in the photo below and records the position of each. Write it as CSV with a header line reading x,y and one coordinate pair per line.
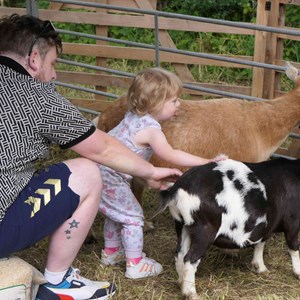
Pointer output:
x,y
74,224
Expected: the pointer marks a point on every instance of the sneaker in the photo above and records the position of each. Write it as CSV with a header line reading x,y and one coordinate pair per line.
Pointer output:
x,y
44,293
147,267
113,259
76,287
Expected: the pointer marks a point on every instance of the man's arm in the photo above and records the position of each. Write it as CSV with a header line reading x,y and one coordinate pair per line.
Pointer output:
x,y
106,150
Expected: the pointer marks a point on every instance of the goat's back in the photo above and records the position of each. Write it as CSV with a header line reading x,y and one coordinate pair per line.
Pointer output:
x,y
244,202
244,130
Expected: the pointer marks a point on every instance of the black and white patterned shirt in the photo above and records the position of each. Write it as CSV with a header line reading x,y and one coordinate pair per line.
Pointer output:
x,y
32,115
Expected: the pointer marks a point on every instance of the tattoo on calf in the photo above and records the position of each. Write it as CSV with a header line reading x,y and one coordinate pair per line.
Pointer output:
x,y
73,224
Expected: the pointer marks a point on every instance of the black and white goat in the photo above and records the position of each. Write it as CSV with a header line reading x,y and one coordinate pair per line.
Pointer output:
x,y
232,204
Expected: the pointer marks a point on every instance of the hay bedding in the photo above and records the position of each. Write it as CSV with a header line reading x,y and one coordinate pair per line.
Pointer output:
x,y
218,277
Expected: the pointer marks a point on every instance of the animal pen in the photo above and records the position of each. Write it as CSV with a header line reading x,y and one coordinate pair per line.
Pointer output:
x,y
266,64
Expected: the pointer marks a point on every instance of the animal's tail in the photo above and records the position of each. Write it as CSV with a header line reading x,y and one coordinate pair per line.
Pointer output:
x,y
166,196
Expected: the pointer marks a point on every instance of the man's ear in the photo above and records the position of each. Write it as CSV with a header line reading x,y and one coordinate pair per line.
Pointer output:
x,y
33,61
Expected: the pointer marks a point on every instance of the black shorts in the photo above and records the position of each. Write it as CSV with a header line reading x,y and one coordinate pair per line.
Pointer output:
x,y
44,204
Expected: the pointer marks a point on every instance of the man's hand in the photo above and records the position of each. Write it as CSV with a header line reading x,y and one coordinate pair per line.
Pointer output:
x,y
162,178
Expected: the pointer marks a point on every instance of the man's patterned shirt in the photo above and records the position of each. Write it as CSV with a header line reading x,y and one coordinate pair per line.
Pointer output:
x,y
32,115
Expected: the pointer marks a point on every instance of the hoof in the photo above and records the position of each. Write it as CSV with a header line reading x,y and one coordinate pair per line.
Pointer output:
x,y
192,297
259,269
149,227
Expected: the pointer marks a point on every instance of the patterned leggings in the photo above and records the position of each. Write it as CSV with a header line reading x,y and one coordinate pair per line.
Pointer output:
x,y
126,235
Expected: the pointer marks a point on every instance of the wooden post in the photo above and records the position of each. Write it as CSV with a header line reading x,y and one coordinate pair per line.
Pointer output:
x,y
260,49
273,52
100,61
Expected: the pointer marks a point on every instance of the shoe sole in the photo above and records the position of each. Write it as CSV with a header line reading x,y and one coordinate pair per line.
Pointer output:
x,y
66,295
150,275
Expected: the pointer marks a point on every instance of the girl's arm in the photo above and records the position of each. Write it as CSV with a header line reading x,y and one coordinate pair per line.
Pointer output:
x,y
104,149
156,139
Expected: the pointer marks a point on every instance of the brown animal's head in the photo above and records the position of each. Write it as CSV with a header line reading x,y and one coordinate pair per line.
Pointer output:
x,y
292,73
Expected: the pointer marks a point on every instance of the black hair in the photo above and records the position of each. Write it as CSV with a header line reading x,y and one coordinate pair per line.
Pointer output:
x,y
20,33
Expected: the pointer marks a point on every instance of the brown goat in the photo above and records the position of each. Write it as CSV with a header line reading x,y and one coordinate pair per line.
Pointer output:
x,y
244,130
250,131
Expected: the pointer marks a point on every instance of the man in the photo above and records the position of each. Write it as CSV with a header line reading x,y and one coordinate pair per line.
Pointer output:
x,y
62,200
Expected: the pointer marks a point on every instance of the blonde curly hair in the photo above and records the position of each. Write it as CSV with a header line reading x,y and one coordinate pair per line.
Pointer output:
x,y
150,89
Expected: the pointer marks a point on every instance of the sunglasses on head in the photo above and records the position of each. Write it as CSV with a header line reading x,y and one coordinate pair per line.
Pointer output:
x,y
48,27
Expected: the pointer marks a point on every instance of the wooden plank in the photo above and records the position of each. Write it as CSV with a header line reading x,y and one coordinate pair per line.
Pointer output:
x,y
281,151
140,21
295,2
146,22
244,90
90,104
5,11
271,49
101,30
289,37
55,6
279,47
122,3
93,79
145,54
259,50
294,147
122,83
115,20
181,69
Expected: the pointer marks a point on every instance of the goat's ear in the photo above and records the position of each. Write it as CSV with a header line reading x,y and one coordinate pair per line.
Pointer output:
x,y
292,72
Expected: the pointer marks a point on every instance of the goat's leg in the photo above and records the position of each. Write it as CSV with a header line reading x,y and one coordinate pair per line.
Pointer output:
x,y
257,262
291,237
196,239
295,262
183,244
186,270
188,284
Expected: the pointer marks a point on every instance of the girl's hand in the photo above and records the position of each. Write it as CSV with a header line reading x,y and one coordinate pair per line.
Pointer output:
x,y
219,157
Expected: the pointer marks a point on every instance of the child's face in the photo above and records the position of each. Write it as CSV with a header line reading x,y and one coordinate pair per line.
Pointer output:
x,y
168,110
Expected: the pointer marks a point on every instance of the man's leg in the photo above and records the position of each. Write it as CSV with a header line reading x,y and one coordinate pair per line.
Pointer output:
x,y
60,201
67,239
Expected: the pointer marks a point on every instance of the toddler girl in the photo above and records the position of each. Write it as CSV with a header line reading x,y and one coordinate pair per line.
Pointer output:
x,y
152,98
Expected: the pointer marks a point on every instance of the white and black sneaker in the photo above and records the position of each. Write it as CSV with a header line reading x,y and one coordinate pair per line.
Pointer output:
x,y
76,287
